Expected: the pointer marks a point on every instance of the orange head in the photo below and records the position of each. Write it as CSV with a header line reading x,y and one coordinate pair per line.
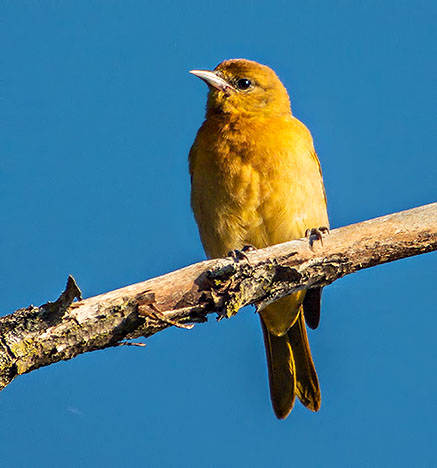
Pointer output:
x,y
244,87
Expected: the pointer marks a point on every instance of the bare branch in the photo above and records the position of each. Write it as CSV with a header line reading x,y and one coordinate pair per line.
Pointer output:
x,y
38,336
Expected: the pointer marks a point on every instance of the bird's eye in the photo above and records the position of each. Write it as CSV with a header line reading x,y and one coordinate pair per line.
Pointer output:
x,y
243,84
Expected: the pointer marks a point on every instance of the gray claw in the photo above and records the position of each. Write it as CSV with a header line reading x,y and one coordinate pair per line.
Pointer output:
x,y
316,233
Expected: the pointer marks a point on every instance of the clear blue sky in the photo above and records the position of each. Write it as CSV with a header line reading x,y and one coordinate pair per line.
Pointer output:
x,y
97,115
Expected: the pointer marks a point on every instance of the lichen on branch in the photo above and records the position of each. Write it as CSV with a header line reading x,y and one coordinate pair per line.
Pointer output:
x,y
33,337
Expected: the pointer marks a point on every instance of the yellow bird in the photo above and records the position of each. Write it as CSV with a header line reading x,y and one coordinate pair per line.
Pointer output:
x,y
256,180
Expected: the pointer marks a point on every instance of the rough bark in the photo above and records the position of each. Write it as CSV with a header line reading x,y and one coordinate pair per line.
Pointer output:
x,y
33,337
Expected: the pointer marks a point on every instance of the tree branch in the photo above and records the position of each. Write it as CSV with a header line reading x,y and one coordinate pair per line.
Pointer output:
x,y
38,336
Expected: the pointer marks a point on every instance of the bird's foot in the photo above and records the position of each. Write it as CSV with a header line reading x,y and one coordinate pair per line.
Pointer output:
x,y
240,254
316,234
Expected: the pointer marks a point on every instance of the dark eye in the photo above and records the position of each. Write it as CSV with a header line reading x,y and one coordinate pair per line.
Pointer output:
x,y
243,83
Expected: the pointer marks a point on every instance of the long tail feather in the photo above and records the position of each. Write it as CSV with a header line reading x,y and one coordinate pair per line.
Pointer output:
x,y
307,383
281,370
291,368
311,307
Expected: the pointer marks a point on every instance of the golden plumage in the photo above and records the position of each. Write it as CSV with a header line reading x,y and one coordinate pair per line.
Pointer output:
x,y
256,180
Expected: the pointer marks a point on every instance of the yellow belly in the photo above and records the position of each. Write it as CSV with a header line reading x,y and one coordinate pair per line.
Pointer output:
x,y
247,194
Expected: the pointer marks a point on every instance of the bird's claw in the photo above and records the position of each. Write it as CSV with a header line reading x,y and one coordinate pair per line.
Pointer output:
x,y
239,254
316,234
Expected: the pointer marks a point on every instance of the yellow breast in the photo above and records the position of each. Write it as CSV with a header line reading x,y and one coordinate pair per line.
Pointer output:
x,y
254,181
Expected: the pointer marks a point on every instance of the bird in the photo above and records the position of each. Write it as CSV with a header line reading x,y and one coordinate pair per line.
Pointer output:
x,y
256,181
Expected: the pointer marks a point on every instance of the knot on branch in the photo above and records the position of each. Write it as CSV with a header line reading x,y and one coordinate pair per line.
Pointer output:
x,y
237,284
226,287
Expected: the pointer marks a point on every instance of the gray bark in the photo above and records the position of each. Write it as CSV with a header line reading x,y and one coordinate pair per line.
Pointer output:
x,y
33,337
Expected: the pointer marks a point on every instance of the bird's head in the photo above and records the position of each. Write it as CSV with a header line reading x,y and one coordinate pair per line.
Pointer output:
x,y
242,86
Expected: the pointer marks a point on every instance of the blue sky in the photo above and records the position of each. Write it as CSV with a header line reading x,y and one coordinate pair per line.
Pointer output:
x,y
97,115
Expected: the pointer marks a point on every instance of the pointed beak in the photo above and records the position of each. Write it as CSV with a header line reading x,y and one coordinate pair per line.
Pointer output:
x,y
212,79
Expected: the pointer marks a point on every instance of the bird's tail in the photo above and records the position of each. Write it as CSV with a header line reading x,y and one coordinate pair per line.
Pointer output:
x,y
291,369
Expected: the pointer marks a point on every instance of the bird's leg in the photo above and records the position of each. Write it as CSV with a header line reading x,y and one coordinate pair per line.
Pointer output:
x,y
239,254
316,234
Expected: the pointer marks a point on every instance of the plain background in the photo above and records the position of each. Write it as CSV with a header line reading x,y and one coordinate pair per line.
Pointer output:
x,y
97,115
